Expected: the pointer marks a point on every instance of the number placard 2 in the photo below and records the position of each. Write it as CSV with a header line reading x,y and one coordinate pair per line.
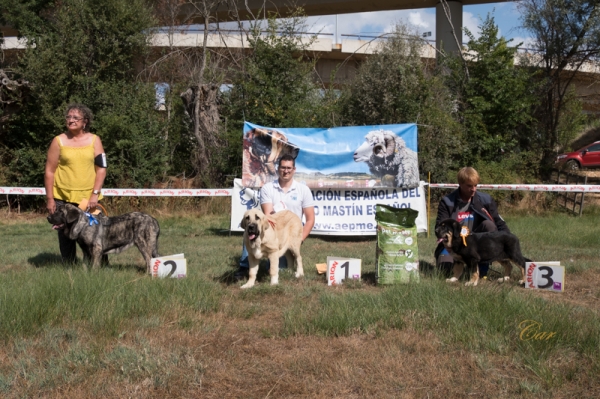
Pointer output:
x,y
339,269
545,276
174,266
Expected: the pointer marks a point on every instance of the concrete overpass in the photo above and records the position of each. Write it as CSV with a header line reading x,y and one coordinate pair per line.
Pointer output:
x,y
448,24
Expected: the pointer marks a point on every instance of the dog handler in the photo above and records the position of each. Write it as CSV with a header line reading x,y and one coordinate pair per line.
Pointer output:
x,y
75,169
284,193
474,210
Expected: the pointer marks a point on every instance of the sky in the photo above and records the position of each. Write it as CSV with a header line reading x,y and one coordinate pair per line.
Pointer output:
x,y
506,16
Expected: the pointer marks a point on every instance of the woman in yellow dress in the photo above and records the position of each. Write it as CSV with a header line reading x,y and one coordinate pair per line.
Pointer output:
x,y
75,169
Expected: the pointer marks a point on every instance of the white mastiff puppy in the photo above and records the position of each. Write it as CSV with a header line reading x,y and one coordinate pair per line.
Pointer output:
x,y
272,237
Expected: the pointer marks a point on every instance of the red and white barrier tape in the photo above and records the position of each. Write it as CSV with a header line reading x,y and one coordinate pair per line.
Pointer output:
x,y
134,192
227,192
565,188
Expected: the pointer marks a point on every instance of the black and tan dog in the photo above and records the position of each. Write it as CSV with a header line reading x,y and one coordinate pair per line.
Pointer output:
x,y
108,235
497,246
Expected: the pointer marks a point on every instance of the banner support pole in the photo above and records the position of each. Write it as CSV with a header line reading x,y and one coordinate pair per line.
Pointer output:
x,y
428,200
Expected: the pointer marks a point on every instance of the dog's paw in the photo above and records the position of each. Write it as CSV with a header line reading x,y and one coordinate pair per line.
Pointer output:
x,y
522,282
471,284
247,285
452,280
299,274
274,280
503,279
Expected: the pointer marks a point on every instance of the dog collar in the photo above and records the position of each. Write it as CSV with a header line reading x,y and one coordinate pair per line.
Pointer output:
x,y
91,219
464,232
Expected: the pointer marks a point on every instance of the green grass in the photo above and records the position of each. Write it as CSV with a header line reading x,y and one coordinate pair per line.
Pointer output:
x,y
47,305
104,301
37,290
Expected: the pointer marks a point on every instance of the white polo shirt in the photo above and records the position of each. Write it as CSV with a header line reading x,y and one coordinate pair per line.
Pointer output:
x,y
297,198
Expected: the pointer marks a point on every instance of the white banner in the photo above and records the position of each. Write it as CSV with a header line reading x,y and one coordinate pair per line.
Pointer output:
x,y
243,199
342,212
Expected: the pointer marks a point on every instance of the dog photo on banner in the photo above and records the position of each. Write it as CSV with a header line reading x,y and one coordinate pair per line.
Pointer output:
x,y
359,157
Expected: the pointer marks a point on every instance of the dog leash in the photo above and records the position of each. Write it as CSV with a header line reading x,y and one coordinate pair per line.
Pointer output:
x,y
83,205
102,208
91,219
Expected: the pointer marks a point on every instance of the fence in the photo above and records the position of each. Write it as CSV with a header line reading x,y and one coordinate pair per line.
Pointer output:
x,y
573,201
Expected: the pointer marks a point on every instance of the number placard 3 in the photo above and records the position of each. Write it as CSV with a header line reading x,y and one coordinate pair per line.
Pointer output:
x,y
545,276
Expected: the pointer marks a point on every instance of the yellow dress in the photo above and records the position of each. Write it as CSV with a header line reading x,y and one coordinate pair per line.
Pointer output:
x,y
75,175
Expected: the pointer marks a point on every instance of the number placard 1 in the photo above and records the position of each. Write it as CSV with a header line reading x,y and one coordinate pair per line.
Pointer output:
x,y
545,276
174,266
339,269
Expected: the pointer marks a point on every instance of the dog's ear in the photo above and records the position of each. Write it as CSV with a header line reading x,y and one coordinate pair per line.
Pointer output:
x,y
74,216
456,229
265,223
244,224
72,213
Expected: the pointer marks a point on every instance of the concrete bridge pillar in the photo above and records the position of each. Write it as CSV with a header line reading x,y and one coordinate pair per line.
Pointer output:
x,y
448,23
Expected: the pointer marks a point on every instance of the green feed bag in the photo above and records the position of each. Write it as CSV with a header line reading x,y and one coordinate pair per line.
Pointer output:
x,y
397,257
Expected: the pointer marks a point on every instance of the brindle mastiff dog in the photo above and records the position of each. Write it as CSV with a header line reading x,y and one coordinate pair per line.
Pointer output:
x,y
110,235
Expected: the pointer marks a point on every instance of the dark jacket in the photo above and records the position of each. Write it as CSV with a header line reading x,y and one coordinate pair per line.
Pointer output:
x,y
482,206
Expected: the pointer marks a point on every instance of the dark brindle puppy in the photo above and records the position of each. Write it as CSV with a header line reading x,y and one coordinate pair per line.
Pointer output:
x,y
497,246
110,235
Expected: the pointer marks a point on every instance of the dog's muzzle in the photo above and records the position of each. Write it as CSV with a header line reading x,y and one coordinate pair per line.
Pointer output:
x,y
56,225
445,239
253,231
443,236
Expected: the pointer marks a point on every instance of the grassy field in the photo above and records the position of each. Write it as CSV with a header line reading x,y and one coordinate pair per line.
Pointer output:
x,y
117,333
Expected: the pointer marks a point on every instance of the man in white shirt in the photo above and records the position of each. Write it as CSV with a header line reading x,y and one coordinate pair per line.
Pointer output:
x,y
284,193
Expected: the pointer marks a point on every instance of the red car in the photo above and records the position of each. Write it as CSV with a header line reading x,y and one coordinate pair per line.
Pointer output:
x,y
586,157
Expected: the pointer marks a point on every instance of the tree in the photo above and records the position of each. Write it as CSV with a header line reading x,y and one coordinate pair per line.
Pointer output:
x,y
495,98
395,86
89,52
200,98
566,36
274,86
197,74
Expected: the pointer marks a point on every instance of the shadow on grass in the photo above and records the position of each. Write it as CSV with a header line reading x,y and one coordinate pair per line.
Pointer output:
x,y
223,232
125,266
46,259
229,277
428,269
369,278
